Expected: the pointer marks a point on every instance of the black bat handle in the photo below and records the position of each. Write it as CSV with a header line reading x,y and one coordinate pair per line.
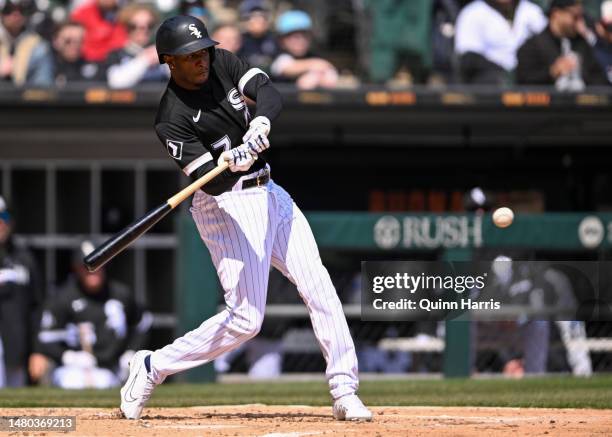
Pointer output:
x,y
114,245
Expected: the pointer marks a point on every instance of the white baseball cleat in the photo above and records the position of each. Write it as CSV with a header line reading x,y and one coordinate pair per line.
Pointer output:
x,y
138,388
350,407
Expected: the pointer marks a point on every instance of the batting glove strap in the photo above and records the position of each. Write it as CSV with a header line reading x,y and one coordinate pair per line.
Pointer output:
x,y
239,159
258,126
238,155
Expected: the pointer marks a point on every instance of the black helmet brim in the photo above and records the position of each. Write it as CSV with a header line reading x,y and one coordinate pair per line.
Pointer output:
x,y
191,47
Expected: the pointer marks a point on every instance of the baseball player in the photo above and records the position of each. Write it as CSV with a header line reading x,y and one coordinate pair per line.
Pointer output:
x,y
21,297
245,219
91,328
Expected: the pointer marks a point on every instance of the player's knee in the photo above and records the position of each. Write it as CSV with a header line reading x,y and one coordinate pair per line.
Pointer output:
x,y
252,327
246,321
249,330
254,330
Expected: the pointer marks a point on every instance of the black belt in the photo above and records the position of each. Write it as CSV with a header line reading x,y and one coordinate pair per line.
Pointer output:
x,y
256,181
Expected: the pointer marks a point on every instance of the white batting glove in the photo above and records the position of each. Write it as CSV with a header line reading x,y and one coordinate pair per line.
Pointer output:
x,y
258,144
80,359
258,126
239,159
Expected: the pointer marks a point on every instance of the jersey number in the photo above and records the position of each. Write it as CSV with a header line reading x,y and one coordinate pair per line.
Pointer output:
x,y
224,143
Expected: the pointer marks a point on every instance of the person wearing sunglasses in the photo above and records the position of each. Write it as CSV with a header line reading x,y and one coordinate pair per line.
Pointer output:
x,y
24,55
137,62
69,66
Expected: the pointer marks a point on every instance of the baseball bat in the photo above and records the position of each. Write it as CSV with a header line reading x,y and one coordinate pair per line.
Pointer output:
x,y
118,242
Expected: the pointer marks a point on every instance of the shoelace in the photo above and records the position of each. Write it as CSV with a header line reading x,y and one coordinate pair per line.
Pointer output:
x,y
149,386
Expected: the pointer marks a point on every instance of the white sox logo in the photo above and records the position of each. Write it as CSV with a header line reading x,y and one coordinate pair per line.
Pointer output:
x,y
236,99
175,149
194,31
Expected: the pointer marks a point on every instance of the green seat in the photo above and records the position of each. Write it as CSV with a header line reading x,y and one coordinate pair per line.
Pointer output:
x,y
591,7
399,28
542,3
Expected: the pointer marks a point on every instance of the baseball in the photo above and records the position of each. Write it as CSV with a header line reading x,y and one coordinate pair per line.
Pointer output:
x,y
502,217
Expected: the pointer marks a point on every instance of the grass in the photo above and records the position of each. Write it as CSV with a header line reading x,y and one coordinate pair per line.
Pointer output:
x,y
552,392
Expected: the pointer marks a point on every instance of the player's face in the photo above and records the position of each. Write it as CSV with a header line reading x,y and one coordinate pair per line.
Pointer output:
x,y
91,282
5,231
190,71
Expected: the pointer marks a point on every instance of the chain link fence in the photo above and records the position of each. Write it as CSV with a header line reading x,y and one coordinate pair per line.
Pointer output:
x,y
511,348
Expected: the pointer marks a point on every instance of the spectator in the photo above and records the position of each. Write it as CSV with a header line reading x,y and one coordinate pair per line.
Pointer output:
x,y
525,343
259,46
68,62
488,35
195,8
137,61
229,37
297,63
91,328
603,45
398,40
103,32
220,11
25,57
21,297
445,13
559,55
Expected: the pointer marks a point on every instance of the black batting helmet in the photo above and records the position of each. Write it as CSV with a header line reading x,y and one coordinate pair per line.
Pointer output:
x,y
181,35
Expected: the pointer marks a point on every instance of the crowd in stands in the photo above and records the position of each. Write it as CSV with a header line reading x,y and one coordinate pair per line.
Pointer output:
x,y
565,43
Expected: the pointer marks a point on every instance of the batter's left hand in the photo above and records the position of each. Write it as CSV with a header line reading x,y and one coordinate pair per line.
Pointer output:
x,y
239,159
258,126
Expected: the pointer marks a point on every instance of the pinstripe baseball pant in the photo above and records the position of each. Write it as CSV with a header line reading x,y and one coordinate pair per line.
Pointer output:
x,y
246,231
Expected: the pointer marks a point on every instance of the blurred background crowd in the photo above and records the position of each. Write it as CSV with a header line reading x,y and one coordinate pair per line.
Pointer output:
x,y
314,43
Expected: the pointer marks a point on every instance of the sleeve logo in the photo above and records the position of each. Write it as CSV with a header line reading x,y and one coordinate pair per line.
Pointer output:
x,y
175,149
236,100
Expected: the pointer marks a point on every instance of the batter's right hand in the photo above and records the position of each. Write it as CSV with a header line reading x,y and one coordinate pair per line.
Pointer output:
x,y
239,159
258,144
